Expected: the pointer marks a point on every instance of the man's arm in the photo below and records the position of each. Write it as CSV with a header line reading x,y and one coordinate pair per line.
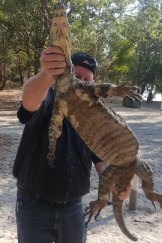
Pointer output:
x,y
100,167
35,89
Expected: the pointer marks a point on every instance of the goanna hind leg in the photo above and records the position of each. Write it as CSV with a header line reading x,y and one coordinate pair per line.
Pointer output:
x,y
105,181
55,128
144,172
119,176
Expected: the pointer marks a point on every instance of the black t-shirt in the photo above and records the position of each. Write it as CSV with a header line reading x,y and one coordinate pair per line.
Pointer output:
x,y
69,179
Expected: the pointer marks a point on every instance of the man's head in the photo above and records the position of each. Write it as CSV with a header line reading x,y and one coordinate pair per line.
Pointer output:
x,y
85,66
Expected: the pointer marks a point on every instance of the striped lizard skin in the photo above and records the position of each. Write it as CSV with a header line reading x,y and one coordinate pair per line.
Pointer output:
x,y
103,131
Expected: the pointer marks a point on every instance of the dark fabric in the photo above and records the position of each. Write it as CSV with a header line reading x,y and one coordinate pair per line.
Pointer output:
x,y
85,65
70,177
40,222
81,59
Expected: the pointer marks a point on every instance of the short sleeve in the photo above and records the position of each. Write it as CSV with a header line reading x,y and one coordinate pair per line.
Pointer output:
x,y
45,110
23,115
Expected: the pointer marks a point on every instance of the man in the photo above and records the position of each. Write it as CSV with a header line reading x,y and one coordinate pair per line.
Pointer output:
x,y
49,207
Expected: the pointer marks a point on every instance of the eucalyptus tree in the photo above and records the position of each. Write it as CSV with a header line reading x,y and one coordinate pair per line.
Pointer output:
x,y
94,27
5,53
102,28
148,50
28,22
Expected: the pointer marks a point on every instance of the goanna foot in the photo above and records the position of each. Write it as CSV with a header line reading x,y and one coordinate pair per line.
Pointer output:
x,y
94,208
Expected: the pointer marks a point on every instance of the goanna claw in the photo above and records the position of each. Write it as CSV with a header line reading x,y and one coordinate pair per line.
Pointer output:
x,y
94,207
154,205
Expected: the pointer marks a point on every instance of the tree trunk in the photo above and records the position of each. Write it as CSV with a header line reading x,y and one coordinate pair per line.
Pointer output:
x,y
3,79
143,88
20,73
150,96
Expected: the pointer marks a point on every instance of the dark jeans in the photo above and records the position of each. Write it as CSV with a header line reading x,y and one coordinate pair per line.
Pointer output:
x,y
41,222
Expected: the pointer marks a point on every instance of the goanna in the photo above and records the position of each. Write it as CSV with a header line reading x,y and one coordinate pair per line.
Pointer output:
x,y
104,132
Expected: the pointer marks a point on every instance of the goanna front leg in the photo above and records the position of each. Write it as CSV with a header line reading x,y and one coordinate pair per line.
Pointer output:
x,y
144,172
106,180
55,128
108,90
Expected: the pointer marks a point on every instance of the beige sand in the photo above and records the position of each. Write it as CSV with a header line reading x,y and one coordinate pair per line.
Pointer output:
x,y
145,222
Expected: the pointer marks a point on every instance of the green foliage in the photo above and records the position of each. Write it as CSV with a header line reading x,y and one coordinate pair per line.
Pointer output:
x,y
127,44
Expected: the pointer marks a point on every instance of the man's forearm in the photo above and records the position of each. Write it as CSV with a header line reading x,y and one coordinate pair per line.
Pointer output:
x,y
35,90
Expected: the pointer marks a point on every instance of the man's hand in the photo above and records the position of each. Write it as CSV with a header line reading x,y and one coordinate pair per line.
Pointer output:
x,y
53,61
123,195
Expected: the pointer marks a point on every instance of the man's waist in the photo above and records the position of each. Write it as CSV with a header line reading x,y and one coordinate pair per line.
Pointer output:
x,y
27,191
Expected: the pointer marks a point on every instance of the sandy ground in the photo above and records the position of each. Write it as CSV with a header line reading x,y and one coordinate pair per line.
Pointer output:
x,y
145,222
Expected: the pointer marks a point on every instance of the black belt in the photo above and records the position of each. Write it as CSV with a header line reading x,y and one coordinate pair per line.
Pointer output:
x,y
30,193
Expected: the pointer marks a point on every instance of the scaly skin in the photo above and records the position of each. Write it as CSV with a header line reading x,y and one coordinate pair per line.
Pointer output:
x,y
60,36
113,175
104,132
144,172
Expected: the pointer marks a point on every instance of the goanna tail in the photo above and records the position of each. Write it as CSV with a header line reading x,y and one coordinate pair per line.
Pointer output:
x,y
117,208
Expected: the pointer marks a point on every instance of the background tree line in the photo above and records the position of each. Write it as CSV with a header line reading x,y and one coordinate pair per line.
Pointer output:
x,y
125,37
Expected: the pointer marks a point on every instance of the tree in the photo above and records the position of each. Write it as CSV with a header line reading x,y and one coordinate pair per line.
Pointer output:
x,y
27,23
125,43
148,54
